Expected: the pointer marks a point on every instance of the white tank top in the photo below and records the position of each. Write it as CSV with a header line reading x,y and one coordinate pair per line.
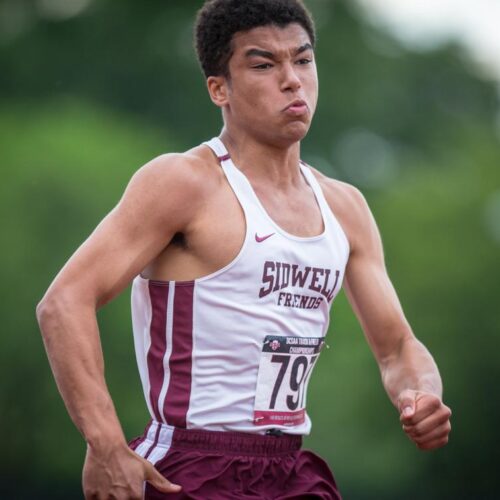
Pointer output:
x,y
234,350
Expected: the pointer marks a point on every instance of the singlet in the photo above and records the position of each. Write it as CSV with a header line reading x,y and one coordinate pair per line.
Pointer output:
x,y
234,350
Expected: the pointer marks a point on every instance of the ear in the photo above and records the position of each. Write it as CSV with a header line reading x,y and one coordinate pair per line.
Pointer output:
x,y
218,89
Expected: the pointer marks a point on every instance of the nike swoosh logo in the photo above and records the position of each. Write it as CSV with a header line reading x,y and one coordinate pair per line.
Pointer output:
x,y
260,239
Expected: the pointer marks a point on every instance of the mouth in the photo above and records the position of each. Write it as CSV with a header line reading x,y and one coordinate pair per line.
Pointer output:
x,y
297,108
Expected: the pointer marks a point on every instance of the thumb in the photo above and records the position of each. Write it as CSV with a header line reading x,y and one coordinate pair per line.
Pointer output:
x,y
153,477
406,404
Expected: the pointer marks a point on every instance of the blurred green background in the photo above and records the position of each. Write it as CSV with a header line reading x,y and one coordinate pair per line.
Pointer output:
x,y
91,90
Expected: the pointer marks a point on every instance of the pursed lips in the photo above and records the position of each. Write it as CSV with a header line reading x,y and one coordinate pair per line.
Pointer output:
x,y
297,107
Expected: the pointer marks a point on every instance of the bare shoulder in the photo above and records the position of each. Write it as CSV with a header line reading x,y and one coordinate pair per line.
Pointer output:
x,y
349,206
177,182
192,171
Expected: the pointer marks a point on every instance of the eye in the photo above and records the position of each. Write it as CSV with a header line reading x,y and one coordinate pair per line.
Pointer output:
x,y
304,61
263,66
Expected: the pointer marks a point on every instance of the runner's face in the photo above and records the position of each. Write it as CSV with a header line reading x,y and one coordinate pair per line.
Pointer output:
x,y
273,86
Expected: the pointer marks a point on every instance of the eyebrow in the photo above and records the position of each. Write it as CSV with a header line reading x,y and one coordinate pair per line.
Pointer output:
x,y
271,55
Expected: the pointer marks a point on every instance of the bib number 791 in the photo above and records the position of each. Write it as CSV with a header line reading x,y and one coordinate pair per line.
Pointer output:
x,y
285,369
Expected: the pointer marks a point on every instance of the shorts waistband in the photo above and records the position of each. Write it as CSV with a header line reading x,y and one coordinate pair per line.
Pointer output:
x,y
227,442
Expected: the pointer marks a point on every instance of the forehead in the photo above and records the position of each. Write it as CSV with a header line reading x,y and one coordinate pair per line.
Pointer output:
x,y
271,38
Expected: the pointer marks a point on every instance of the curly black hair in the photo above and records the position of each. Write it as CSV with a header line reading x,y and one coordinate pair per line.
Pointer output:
x,y
219,20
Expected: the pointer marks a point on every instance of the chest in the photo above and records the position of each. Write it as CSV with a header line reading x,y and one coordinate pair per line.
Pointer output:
x,y
295,211
220,230
217,235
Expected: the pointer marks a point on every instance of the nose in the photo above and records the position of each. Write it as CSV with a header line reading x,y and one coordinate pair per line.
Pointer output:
x,y
290,78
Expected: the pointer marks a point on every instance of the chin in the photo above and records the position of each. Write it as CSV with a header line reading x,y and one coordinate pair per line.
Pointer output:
x,y
296,132
285,135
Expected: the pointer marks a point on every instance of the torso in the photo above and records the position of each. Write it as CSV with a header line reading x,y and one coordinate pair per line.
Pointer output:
x,y
248,284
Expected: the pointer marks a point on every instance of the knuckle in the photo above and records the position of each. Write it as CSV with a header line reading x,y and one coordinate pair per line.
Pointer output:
x,y
445,412
443,416
444,434
417,432
443,430
436,403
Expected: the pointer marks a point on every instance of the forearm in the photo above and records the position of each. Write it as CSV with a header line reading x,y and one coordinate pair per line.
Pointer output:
x,y
413,368
71,336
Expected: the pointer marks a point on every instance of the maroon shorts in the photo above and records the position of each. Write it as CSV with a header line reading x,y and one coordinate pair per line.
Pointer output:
x,y
233,465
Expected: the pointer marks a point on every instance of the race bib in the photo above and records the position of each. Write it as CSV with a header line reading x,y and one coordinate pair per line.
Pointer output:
x,y
286,364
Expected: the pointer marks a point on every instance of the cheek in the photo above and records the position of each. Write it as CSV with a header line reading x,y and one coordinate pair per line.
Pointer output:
x,y
311,80
251,97
311,88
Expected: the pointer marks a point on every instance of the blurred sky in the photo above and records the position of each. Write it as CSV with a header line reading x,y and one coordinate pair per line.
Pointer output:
x,y
426,24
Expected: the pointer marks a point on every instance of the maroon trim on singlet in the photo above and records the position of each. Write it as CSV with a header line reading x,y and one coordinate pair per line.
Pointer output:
x,y
179,389
158,293
225,157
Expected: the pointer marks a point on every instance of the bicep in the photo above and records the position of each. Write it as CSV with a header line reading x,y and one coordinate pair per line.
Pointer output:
x,y
111,256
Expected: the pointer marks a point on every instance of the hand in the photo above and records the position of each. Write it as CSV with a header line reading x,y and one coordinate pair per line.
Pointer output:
x,y
425,419
119,474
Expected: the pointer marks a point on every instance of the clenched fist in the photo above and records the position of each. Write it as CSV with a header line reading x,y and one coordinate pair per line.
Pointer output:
x,y
425,419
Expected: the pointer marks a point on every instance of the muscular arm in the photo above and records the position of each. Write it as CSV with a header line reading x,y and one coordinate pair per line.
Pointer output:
x,y
409,373
154,207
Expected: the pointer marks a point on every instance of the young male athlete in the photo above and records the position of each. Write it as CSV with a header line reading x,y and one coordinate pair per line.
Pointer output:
x,y
236,250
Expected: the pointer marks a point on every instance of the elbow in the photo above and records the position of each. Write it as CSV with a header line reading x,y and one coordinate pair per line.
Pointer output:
x,y
52,308
60,304
41,309
47,310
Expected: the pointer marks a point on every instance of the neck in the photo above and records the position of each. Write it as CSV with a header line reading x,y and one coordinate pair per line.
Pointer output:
x,y
278,165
